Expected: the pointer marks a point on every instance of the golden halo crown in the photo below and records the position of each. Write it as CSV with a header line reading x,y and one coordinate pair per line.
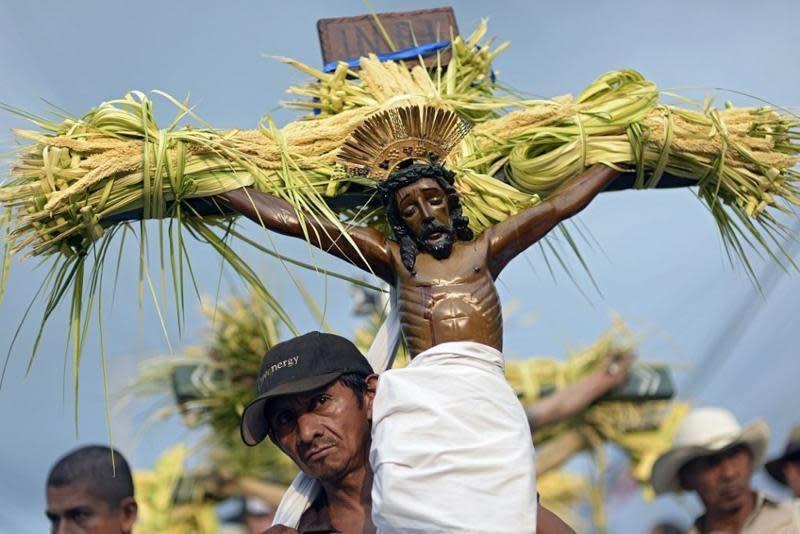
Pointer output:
x,y
395,135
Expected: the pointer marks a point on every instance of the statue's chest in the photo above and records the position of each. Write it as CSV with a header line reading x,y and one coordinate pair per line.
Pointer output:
x,y
450,294
463,307
453,288
466,263
450,275
454,299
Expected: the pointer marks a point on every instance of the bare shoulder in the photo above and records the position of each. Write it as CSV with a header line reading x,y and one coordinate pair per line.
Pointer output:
x,y
393,248
483,239
480,246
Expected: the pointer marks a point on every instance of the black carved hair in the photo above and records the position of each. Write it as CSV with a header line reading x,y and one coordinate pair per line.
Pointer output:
x,y
92,465
406,175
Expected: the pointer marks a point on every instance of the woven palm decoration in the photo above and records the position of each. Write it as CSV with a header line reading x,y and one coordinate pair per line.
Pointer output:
x,y
391,137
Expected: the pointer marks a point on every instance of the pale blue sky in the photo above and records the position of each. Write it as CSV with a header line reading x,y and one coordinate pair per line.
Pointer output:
x,y
662,266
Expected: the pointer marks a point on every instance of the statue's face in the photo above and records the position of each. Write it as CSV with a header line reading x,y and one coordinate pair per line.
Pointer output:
x,y
424,209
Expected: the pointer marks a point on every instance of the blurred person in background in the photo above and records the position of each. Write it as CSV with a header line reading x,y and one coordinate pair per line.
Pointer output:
x,y
713,456
253,516
667,527
258,515
786,467
88,494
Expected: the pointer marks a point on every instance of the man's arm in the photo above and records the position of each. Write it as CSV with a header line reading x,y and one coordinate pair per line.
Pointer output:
x,y
549,523
517,233
371,251
574,398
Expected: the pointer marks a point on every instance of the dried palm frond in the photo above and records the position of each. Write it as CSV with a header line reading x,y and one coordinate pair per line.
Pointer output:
x,y
643,430
158,509
78,185
210,386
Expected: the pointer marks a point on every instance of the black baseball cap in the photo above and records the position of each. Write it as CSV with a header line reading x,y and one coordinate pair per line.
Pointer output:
x,y
301,364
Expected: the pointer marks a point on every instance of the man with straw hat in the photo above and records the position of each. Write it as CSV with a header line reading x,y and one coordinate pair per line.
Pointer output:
x,y
714,456
786,468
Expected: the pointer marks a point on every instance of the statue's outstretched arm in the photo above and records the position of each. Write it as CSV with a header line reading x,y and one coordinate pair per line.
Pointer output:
x,y
517,233
371,251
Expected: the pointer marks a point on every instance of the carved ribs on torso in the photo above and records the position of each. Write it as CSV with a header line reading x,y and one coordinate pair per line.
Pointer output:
x,y
454,299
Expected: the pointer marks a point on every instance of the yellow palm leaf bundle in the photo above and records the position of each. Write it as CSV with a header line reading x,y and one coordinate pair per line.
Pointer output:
x,y
210,386
642,429
155,495
82,180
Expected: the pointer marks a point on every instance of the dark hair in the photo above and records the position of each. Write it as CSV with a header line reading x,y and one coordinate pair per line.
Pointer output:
x,y
408,174
356,382
667,527
92,464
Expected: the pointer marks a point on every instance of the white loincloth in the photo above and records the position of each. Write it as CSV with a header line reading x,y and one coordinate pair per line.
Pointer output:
x,y
451,446
479,432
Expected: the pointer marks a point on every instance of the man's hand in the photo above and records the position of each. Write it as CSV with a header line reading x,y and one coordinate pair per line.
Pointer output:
x,y
614,372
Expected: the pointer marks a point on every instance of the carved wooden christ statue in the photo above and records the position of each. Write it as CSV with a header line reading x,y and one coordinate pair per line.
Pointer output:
x,y
443,274
450,443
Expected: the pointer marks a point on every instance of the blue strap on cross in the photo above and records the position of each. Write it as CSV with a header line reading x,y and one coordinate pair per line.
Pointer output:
x,y
406,53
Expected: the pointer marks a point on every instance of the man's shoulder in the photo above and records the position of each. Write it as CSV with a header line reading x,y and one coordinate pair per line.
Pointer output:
x,y
774,515
281,529
770,502
770,515
317,517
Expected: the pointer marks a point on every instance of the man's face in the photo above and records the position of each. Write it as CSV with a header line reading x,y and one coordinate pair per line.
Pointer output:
x,y
73,509
722,480
791,470
326,432
423,207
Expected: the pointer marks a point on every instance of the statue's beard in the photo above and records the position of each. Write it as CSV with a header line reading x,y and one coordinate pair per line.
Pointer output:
x,y
442,248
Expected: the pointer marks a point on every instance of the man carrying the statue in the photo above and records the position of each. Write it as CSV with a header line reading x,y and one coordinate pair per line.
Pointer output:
x,y
451,448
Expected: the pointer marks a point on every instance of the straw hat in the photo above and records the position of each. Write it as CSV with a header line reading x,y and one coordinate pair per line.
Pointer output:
x,y
707,431
792,450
